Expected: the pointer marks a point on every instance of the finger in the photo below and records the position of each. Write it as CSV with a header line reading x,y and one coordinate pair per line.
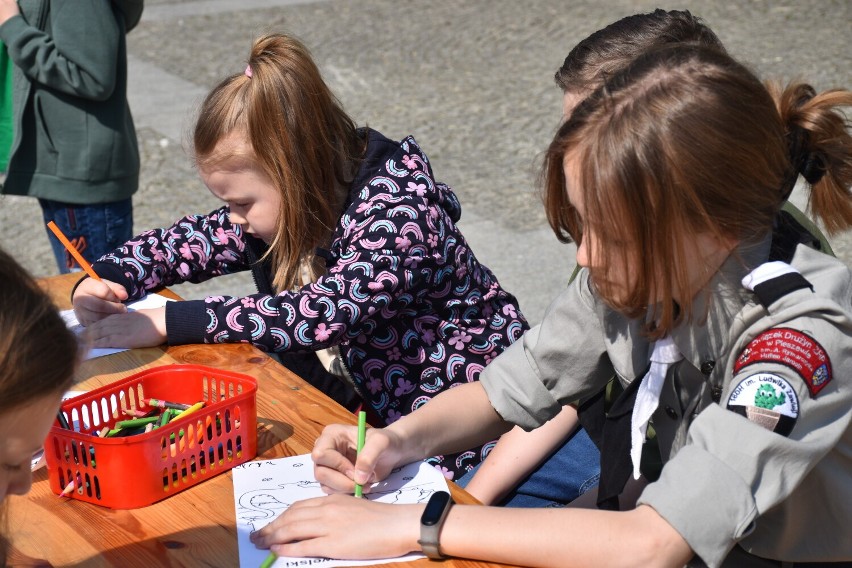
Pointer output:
x,y
103,289
118,291
301,521
365,464
332,466
113,331
100,306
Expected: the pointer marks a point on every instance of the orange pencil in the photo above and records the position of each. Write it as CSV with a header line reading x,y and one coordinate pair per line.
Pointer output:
x,y
84,264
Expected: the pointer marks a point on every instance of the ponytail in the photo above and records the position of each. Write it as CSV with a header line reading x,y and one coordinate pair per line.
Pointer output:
x,y
820,147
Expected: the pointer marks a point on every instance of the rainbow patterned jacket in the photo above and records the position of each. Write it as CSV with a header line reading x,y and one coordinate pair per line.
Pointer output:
x,y
404,299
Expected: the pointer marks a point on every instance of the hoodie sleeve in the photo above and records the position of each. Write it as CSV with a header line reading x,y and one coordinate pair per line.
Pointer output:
x,y
195,249
78,55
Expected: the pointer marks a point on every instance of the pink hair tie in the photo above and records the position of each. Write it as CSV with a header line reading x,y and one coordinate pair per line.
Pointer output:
x,y
248,71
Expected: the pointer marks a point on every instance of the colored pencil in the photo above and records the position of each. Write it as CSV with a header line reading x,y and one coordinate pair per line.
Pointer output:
x,y
269,560
84,264
68,489
166,404
63,422
190,410
362,436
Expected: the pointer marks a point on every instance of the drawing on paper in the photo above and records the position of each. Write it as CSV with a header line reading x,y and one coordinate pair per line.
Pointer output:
x,y
264,489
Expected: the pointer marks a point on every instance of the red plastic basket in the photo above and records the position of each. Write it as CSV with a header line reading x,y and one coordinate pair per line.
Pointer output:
x,y
138,470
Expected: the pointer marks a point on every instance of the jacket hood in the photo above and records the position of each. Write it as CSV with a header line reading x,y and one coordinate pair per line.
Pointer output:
x,y
383,154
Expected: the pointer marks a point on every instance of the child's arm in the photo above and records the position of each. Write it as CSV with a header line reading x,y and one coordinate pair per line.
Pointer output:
x,y
516,454
194,249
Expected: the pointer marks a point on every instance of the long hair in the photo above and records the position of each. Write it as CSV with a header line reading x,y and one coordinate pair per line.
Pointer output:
x,y
30,326
610,49
298,134
685,140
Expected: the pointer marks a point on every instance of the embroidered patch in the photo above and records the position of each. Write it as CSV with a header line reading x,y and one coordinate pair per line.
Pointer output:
x,y
793,349
767,400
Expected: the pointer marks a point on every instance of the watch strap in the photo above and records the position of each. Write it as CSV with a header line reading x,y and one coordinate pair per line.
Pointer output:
x,y
430,530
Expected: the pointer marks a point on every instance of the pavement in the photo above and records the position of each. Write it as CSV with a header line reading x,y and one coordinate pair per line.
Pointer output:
x,y
472,81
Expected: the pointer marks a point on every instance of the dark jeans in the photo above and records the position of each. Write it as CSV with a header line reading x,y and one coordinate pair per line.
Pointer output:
x,y
94,229
570,471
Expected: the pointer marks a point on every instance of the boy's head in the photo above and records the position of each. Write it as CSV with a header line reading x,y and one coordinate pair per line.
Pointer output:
x,y
612,48
684,146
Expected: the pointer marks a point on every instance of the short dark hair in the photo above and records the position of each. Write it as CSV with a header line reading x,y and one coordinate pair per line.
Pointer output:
x,y
612,48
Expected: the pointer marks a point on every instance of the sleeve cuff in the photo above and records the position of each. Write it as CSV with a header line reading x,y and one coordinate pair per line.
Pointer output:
x,y
12,28
515,391
707,502
185,322
115,273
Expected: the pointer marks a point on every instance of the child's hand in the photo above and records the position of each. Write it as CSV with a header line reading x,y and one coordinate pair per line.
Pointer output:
x,y
335,466
96,299
342,526
138,328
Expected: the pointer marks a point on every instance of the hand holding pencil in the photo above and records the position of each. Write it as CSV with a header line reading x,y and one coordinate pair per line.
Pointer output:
x,y
99,298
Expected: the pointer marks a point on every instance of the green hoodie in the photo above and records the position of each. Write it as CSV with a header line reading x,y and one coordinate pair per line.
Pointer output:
x,y
74,138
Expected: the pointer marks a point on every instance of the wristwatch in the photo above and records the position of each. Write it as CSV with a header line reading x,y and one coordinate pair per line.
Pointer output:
x,y
431,522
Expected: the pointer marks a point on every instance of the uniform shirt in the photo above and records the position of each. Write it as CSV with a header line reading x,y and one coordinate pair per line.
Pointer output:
x,y
784,494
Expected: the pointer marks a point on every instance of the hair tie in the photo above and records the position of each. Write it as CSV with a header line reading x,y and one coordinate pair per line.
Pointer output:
x,y
248,71
810,164
813,168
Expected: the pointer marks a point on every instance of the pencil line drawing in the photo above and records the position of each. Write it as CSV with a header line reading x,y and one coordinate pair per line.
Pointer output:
x,y
265,489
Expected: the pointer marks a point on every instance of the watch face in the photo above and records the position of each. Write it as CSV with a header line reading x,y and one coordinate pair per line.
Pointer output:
x,y
434,508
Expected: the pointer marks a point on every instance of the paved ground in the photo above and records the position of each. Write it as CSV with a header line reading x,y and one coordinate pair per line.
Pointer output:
x,y
472,81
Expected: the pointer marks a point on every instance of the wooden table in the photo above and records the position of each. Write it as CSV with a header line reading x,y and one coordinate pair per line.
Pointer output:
x,y
197,526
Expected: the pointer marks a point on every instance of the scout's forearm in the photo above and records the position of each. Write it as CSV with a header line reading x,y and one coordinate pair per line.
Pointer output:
x,y
563,537
453,421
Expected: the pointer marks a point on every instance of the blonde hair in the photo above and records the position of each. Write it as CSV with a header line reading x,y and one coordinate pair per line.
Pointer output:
x,y
298,134
682,141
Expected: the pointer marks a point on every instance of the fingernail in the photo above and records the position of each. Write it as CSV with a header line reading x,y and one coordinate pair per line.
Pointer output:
x,y
361,477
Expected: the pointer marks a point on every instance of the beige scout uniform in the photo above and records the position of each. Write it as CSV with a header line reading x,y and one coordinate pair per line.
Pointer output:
x,y
727,478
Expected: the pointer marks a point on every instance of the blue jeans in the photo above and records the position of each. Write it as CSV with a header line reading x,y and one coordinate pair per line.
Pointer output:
x,y
570,471
93,229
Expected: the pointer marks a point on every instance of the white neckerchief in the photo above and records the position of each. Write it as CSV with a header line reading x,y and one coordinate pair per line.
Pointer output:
x,y
648,396
767,271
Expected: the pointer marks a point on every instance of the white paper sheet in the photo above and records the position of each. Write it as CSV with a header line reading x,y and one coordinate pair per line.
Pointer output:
x,y
147,302
264,489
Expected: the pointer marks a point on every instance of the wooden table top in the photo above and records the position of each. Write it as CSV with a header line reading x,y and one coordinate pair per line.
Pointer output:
x,y
197,526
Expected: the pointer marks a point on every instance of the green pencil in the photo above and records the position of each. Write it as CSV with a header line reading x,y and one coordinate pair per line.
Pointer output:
x,y
269,561
362,435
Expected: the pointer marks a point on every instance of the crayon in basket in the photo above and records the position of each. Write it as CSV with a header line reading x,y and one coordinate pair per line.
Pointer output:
x,y
68,489
166,404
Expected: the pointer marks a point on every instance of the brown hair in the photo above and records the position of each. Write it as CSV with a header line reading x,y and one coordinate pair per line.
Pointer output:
x,y
686,140
820,148
610,49
299,135
30,325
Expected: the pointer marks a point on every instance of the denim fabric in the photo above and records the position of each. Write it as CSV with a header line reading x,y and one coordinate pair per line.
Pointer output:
x,y
570,471
94,229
